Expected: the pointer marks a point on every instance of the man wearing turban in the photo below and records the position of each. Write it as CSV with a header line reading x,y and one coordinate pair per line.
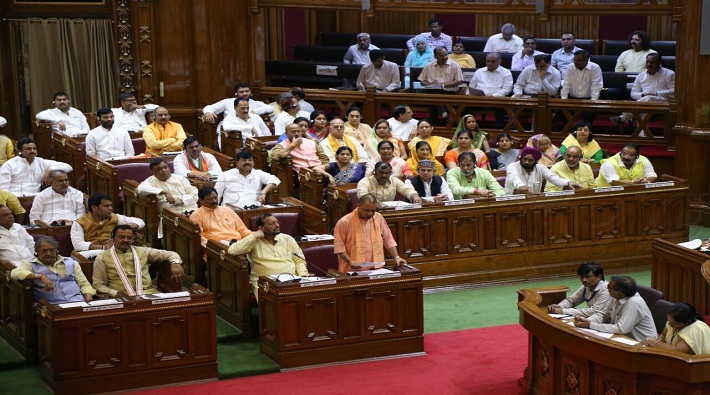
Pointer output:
x,y
527,176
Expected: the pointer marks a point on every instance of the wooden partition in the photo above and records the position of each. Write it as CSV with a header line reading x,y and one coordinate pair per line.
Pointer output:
x,y
564,359
311,187
17,325
207,133
143,207
104,177
70,150
680,273
231,142
229,281
259,147
182,235
537,236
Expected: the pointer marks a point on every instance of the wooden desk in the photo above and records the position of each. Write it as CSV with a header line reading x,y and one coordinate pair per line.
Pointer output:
x,y
564,360
539,236
139,345
682,274
354,318
17,324
72,151
259,147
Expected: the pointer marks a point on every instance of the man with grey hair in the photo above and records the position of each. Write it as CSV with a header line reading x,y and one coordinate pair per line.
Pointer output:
x,y
359,53
54,278
505,41
625,314
60,204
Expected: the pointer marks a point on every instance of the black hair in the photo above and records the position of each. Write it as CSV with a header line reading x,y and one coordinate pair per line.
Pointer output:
x,y
645,39
262,218
624,284
122,227
60,94
581,125
685,313
24,141
205,191
189,140
343,148
467,155
399,110
376,54
244,154
155,162
593,267
126,95
103,111
96,199
379,145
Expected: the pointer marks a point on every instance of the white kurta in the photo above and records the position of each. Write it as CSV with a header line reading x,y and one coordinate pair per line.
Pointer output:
x,y
106,144
234,188
133,121
50,206
16,245
21,178
74,120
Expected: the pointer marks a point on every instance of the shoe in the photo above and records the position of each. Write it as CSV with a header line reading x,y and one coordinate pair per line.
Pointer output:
x,y
616,121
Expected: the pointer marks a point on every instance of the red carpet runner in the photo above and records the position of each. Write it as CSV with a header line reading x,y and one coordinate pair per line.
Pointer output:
x,y
474,361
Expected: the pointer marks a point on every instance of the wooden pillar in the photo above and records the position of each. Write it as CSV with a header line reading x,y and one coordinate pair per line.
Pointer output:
x,y
692,130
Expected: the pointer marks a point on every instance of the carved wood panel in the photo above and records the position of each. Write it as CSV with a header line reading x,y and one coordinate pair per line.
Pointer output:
x,y
464,234
574,379
291,311
170,339
350,313
381,313
103,345
611,381
425,237
607,221
560,225
411,304
653,217
513,229
321,319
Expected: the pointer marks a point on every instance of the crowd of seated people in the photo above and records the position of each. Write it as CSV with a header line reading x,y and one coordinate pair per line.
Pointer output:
x,y
396,156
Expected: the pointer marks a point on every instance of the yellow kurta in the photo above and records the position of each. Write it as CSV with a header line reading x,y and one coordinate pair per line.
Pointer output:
x,y
583,175
159,138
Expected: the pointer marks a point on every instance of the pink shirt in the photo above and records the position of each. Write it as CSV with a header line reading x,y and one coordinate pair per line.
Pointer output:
x,y
304,155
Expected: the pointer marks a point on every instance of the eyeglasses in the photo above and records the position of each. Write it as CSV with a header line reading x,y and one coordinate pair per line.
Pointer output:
x,y
337,127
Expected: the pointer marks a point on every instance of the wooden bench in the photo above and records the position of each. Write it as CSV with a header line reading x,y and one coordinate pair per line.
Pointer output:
x,y
259,147
616,47
107,177
335,54
307,74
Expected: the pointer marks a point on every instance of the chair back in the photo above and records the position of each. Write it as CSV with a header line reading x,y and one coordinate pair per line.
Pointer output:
x,y
649,295
320,259
659,312
288,222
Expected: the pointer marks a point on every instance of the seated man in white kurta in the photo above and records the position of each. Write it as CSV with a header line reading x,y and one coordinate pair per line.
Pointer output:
x,y
25,174
60,202
173,191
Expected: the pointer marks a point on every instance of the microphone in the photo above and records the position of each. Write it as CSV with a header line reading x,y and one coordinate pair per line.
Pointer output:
x,y
309,264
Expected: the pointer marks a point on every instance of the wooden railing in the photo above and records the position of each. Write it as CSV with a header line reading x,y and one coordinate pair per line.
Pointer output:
x,y
523,114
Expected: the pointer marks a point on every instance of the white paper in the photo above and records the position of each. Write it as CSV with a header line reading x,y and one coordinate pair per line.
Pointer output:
x,y
553,315
102,302
74,304
624,340
168,295
327,70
